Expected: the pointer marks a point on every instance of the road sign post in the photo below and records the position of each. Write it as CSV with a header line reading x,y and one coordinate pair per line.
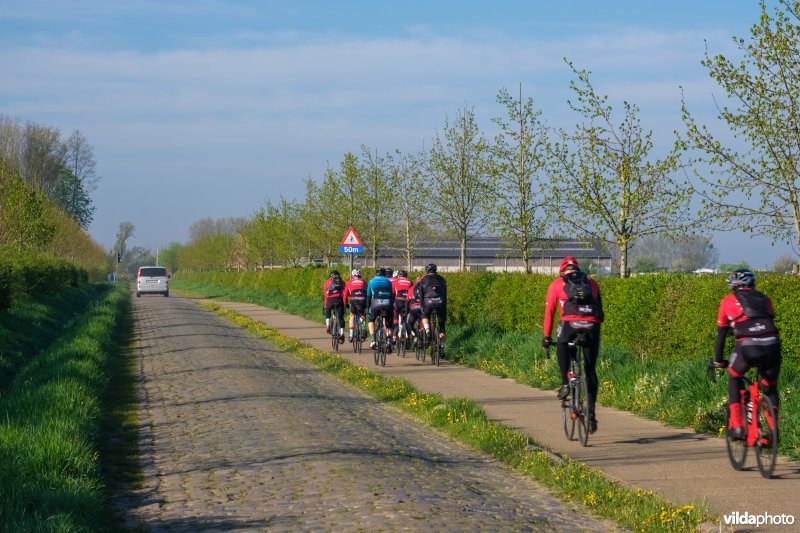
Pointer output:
x,y
351,245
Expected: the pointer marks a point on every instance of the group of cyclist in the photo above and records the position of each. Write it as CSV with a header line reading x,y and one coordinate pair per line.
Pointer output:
x,y
746,313
389,297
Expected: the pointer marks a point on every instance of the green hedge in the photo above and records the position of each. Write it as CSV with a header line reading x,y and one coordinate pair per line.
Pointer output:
x,y
32,274
664,316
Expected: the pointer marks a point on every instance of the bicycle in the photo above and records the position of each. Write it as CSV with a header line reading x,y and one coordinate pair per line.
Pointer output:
x,y
358,332
761,426
381,340
437,348
575,408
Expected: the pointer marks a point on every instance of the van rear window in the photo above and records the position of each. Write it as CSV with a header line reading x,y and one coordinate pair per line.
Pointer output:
x,y
153,272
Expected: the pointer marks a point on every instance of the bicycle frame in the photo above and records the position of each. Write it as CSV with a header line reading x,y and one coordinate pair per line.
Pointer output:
x,y
761,439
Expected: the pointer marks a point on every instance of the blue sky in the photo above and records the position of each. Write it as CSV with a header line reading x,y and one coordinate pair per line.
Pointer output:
x,y
207,108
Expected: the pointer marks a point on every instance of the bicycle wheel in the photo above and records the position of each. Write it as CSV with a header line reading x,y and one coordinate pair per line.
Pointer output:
x,y
419,347
357,339
436,343
378,346
335,333
382,347
737,449
767,443
569,420
401,337
581,400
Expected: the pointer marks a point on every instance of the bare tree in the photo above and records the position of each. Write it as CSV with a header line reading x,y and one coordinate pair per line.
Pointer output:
x,y
409,202
124,233
79,159
607,185
461,181
379,207
684,253
520,157
757,190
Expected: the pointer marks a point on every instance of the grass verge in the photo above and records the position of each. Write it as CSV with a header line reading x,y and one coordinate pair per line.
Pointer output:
x,y
52,409
466,421
676,392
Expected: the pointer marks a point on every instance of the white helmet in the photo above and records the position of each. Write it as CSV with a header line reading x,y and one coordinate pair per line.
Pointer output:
x,y
356,273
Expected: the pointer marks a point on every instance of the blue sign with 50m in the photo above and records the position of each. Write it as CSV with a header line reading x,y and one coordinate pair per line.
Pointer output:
x,y
351,249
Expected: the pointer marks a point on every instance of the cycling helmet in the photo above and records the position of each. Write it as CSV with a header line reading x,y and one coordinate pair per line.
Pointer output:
x,y
335,274
430,268
356,273
743,277
381,272
389,272
402,273
568,264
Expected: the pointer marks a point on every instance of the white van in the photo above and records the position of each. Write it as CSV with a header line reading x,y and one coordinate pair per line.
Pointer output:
x,y
152,279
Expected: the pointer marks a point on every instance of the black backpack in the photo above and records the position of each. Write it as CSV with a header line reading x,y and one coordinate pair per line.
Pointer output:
x,y
337,285
577,288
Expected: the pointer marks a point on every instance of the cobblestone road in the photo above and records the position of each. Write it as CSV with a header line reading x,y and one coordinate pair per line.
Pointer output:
x,y
240,436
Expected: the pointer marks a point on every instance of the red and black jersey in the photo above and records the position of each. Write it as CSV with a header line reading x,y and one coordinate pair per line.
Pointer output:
x,y
748,312
400,287
356,289
331,290
557,297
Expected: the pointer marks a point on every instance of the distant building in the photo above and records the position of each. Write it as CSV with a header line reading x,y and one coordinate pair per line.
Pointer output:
x,y
490,254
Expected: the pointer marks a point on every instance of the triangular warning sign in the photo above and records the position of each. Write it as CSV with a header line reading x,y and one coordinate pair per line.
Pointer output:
x,y
351,238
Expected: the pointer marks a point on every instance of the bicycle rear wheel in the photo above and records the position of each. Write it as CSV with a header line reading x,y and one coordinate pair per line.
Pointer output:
x,y
737,449
436,343
335,333
382,346
767,443
581,401
569,420
401,337
357,334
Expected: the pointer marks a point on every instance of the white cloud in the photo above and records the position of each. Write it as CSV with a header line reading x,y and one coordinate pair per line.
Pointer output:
x,y
190,118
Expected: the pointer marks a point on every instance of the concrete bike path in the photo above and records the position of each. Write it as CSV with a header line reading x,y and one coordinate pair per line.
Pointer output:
x,y
683,466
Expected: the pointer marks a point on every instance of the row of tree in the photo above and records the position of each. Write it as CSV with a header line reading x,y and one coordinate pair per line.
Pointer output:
x,y
63,170
31,223
601,180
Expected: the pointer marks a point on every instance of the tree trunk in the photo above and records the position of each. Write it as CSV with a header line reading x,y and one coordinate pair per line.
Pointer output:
x,y
623,257
462,260
409,251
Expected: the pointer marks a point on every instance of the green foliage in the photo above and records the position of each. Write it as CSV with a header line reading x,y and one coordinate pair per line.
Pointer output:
x,y
51,408
30,274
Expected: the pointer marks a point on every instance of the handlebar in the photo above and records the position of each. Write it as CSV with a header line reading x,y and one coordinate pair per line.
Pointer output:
x,y
712,370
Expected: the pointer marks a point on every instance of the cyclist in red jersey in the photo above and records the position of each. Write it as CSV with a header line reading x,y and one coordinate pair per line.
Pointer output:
x,y
578,298
332,297
401,285
355,294
749,315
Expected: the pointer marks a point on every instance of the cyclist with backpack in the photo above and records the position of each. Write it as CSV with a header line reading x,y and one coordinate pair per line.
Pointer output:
x,y
355,294
749,315
578,297
380,300
332,291
433,293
